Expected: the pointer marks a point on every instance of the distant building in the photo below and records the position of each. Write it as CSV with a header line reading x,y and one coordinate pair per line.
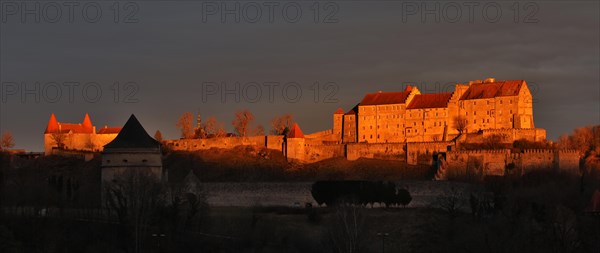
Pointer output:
x,y
132,150
79,136
409,116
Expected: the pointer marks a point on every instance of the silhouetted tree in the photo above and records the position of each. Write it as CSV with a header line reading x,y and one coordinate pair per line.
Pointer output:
x,y
185,125
135,197
347,228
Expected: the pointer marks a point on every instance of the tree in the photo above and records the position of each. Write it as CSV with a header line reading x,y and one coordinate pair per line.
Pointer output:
x,y
347,228
158,136
135,196
212,127
185,125
7,141
242,121
260,130
280,123
59,139
460,123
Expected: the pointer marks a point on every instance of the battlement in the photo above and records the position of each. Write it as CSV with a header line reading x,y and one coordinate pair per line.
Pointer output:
x,y
538,151
480,151
568,151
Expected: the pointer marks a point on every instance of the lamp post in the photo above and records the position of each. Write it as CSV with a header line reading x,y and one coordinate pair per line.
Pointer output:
x,y
383,236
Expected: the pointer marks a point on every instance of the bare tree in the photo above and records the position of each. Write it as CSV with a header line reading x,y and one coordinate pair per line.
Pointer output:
x,y
213,127
260,130
280,123
451,202
242,121
158,136
346,229
89,144
59,139
7,141
185,125
135,196
460,123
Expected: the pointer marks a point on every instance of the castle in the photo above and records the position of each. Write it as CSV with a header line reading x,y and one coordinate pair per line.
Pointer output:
x,y
77,137
409,116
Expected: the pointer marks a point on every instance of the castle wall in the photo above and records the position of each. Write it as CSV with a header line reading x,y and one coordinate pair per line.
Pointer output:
x,y
421,152
79,141
477,162
496,162
535,159
224,142
315,153
569,160
388,151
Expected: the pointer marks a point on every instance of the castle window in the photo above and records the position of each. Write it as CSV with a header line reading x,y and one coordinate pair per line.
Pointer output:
x,y
474,102
500,101
510,111
377,136
414,123
107,161
144,160
475,113
474,121
488,102
371,136
125,160
364,137
510,101
371,127
397,125
488,120
487,112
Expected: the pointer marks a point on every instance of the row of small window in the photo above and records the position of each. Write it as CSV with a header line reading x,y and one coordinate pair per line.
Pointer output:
x,y
435,123
488,112
126,161
510,101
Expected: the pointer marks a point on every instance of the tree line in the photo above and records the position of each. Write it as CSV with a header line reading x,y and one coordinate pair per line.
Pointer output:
x,y
243,126
365,193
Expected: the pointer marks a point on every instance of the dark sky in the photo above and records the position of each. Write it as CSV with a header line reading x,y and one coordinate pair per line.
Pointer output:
x,y
174,47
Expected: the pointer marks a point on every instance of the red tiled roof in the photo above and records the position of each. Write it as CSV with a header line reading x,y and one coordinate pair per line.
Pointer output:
x,y
353,110
87,122
339,111
109,130
436,100
295,132
385,98
495,89
52,124
75,128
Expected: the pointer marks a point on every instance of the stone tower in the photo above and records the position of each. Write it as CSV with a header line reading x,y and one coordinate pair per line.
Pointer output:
x,y
133,150
338,120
